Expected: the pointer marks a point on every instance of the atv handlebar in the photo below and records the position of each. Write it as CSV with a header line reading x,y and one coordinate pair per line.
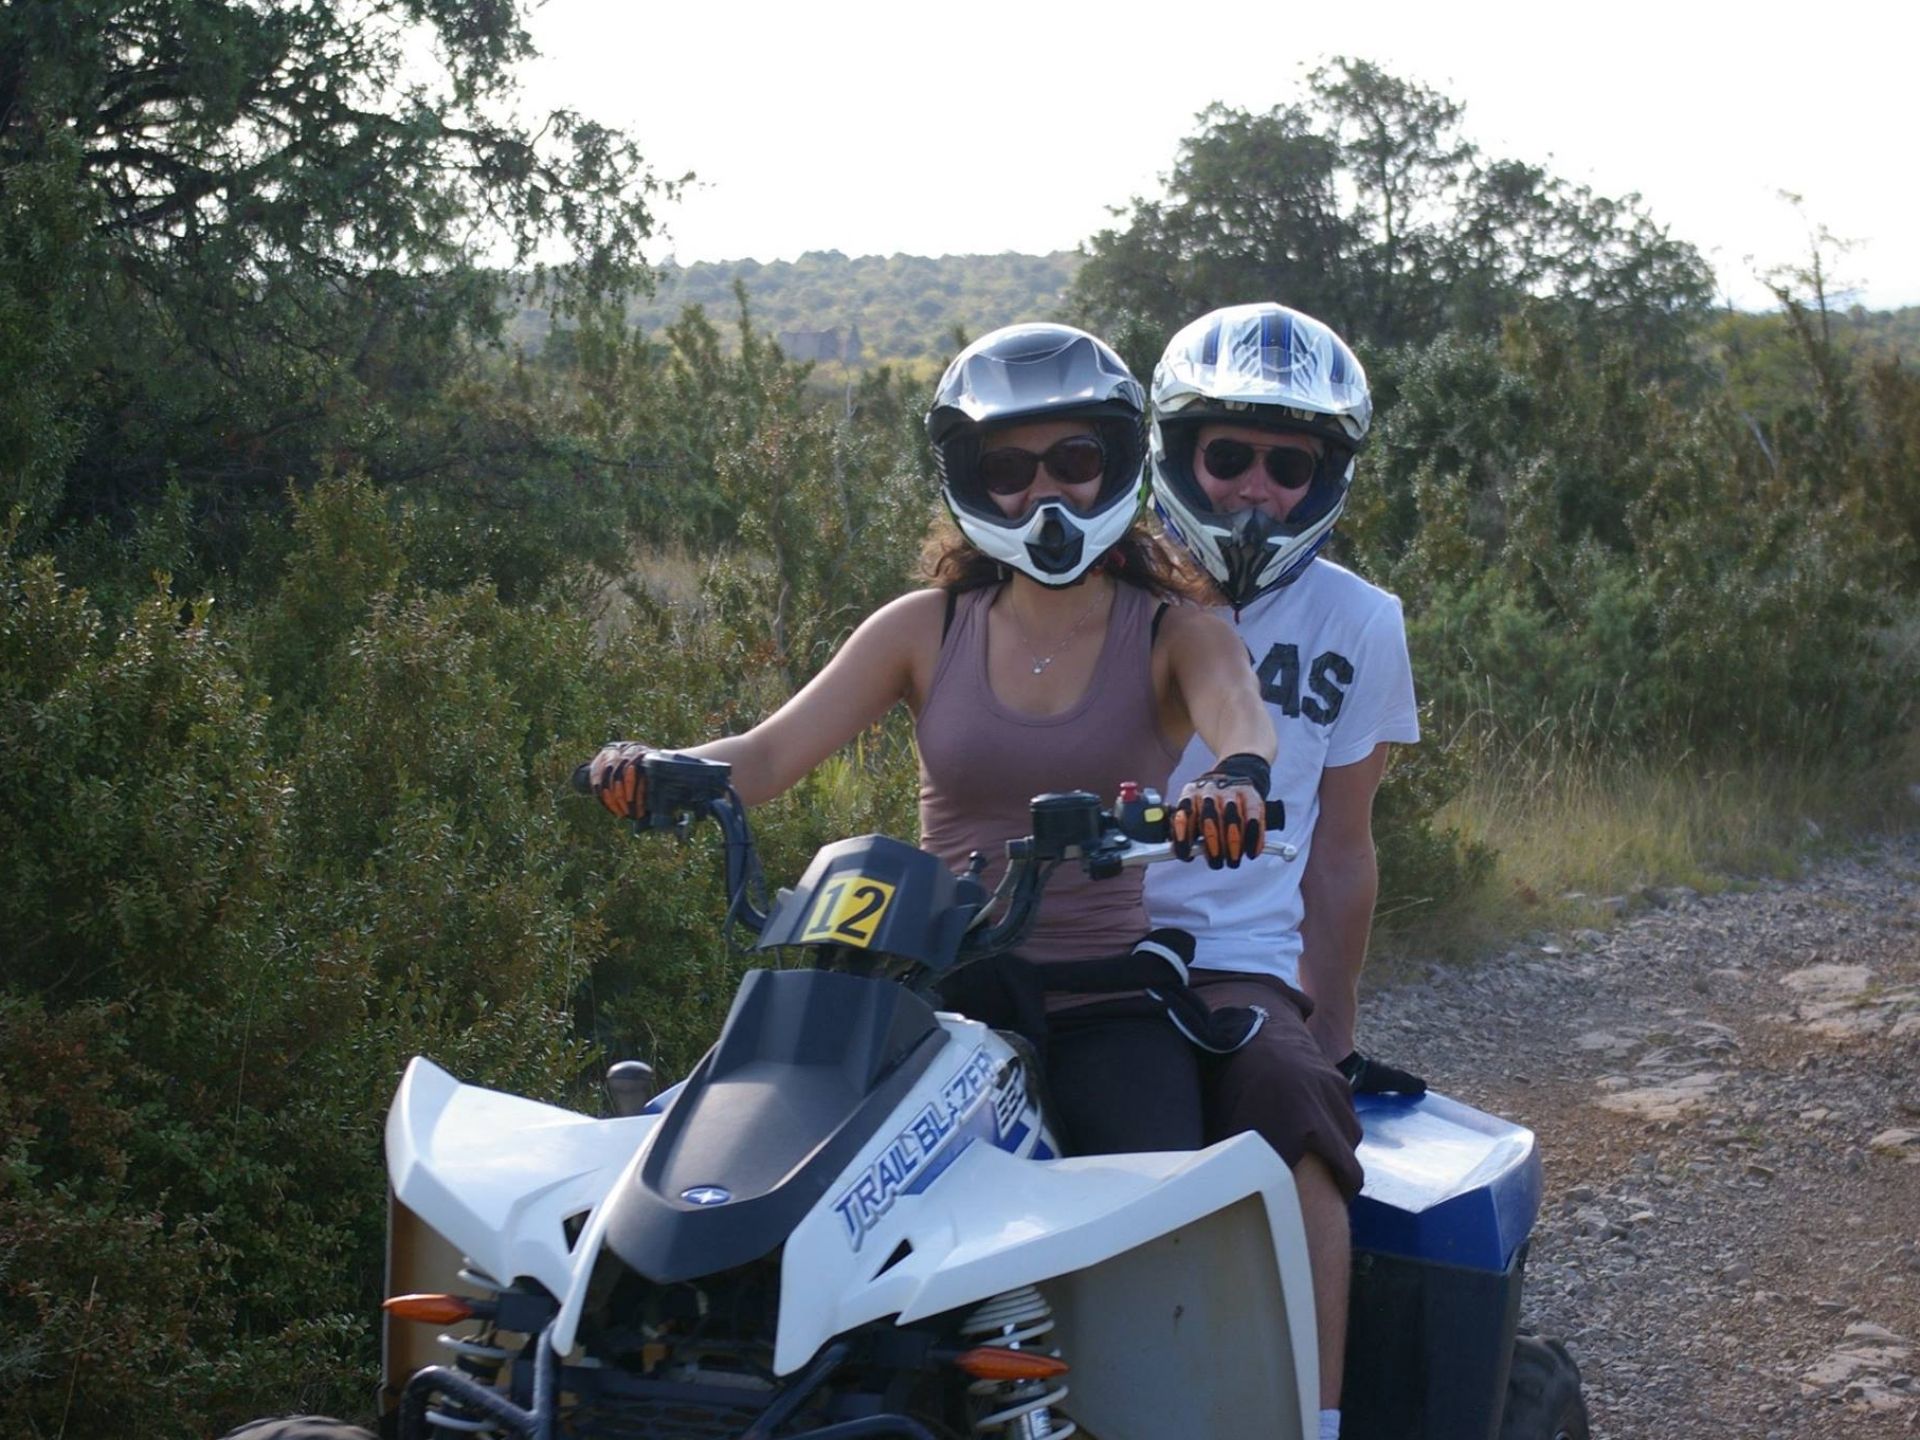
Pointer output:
x,y
680,790
1069,825
679,787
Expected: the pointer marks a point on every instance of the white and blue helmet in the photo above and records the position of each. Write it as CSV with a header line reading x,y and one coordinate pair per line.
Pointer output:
x,y
1275,369
1041,372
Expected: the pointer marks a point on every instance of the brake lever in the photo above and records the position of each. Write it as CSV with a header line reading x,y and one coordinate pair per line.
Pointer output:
x,y
1133,853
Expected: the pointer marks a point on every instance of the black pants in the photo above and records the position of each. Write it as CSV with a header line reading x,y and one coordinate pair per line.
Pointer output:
x,y
1123,1083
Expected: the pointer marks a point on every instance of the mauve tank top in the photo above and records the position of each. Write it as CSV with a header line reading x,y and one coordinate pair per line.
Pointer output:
x,y
982,763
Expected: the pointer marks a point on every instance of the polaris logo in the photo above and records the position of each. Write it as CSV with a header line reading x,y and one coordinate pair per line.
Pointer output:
x,y
706,1195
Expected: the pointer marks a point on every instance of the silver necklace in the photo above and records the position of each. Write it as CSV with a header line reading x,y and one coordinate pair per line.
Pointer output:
x,y
1041,662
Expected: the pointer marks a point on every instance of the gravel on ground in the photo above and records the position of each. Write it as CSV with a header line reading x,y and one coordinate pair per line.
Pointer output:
x,y
1726,1091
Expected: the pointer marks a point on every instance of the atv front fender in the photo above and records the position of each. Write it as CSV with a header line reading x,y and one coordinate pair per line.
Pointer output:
x,y
500,1176
1160,1268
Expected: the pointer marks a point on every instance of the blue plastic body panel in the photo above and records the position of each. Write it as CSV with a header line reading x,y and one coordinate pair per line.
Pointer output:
x,y
1445,1182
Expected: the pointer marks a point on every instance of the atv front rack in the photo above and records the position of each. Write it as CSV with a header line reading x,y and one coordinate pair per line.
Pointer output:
x,y
610,1404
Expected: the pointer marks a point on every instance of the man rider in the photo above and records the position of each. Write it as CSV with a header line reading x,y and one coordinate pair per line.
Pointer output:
x,y
1258,414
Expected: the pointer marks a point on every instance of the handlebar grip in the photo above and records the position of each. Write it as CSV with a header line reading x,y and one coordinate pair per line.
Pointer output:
x,y
1276,817
582,780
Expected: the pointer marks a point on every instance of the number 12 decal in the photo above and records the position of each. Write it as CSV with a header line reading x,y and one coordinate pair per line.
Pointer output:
x,y
848,911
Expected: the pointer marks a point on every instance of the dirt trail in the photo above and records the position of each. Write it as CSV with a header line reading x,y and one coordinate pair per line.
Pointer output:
x,y
1727,1094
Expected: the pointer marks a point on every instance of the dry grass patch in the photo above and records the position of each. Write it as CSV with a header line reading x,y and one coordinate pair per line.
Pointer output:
x,y
1580,835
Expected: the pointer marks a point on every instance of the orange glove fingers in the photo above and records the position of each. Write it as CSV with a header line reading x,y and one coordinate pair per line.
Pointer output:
x,y
1181,830
619,781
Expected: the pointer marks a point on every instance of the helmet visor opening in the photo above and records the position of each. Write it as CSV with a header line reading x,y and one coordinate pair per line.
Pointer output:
x,y
1287,466
1010,469
977,468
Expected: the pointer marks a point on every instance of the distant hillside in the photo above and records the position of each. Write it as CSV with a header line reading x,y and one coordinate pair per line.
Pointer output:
x,y
868,310
1767,362
903,309
1888,332
1863,332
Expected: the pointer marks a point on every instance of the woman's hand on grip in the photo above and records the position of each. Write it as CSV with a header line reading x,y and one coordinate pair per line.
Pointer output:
x,y
1221,817
619,780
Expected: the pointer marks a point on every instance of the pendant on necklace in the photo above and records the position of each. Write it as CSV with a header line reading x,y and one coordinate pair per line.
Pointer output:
x,y
1040,665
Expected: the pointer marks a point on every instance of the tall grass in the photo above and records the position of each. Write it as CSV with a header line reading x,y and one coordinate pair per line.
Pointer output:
x,y
1582,833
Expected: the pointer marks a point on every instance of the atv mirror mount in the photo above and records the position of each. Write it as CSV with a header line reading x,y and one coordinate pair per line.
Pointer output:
x,y
630,1085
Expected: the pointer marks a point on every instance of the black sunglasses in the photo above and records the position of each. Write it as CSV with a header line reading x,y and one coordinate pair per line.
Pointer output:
x,y
1072,461
1287,466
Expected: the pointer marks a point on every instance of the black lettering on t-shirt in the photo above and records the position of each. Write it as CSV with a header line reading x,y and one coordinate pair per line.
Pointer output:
x,y
1280,679
1329,678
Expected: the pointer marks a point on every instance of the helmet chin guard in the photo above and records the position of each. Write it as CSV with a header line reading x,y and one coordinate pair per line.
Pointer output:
x,y
1058,548
1027,373
1256,553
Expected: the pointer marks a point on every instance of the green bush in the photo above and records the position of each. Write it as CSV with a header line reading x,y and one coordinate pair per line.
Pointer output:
x,y
228,937
1575,547
1425,867
173,1213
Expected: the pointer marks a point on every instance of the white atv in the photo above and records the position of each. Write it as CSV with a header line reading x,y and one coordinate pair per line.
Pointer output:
x,y
851,1219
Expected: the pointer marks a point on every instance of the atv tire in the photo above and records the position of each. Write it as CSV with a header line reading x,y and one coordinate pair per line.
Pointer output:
x,y
299,1427
1543,1393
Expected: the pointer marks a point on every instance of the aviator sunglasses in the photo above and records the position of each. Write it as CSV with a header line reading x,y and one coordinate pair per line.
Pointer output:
x,y
1072,461
1287,466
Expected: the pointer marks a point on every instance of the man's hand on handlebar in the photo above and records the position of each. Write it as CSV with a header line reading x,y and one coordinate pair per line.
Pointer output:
x,y
1369,1076
618,780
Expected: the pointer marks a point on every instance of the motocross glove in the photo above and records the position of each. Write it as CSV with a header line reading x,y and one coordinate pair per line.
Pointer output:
x,y
1223,812
1368,1076
620,779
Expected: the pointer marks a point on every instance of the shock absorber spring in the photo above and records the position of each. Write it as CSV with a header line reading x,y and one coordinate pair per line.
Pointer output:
x,y
476,1355
1016,1409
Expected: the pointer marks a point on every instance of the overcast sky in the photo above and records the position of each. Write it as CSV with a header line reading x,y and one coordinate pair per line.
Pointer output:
x,y
979,126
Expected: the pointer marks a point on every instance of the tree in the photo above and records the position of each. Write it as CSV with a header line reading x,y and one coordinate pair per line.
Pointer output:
x,y
1252,210
1364,205
288,227
1400,146
1807,294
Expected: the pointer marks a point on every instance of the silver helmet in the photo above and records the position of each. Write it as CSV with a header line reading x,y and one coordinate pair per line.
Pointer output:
x,y
1271,368
1041,372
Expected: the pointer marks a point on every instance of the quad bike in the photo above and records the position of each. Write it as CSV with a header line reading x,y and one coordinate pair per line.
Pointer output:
x,y
852,1219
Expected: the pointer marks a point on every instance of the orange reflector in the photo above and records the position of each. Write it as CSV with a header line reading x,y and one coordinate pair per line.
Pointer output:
x,y
434,1309
990,1362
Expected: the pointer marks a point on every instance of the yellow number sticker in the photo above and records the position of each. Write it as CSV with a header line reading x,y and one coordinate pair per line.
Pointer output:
x,y
849,911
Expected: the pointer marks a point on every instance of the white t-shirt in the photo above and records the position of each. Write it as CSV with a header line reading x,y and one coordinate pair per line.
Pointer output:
x,y
1330,651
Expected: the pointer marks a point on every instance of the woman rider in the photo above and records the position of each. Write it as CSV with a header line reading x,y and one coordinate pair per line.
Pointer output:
x,y
1042,657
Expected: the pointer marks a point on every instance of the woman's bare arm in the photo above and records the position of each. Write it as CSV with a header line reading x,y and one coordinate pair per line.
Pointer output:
x,y
879,665
1214,686
1210,690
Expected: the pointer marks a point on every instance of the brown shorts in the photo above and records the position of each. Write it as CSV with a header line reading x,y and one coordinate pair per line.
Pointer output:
x,y
1279,1085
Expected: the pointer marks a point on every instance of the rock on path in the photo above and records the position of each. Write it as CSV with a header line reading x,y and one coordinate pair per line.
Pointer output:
x,y
1727,1096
